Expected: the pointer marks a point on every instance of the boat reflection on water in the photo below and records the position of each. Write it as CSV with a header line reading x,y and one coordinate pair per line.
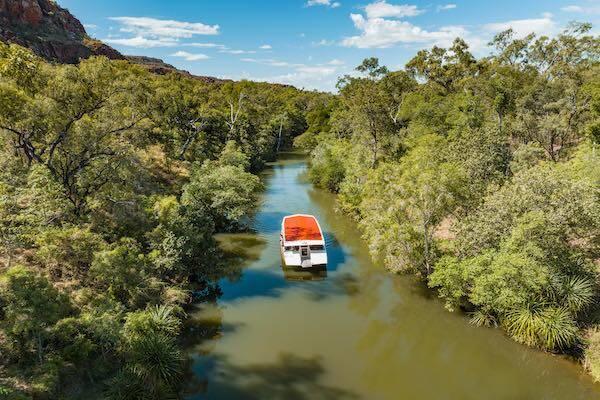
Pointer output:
x,y
304,274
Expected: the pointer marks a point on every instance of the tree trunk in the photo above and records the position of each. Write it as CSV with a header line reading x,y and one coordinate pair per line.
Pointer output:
x,y
39,347
279,137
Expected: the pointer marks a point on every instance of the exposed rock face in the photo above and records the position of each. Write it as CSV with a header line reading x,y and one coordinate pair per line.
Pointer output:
x,y
55,34
49,30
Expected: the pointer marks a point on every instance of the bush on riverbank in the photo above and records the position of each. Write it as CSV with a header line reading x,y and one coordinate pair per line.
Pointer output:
x,y
505,147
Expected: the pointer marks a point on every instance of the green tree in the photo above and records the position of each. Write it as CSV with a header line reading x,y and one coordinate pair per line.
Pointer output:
x,y
30,308
78,125
226,192
405,203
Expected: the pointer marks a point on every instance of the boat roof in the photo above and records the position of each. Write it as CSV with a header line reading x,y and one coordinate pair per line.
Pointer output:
x,y
301,227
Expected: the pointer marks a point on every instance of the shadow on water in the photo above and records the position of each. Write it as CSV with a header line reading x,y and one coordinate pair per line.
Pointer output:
x,y
290,377
304,274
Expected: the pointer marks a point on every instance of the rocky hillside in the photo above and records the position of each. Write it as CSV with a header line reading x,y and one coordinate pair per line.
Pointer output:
x,y
49,30
55,34
160,67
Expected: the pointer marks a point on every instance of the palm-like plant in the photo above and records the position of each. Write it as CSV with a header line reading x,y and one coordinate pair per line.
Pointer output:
x,y
126,386
483,318
521,324
557,329
157,360
577,293
549,328
164,320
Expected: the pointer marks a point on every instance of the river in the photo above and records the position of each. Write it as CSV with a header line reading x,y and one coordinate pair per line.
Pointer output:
x,y
356,332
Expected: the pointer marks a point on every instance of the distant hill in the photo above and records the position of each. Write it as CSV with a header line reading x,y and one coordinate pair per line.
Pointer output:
x,y
160,67
53,33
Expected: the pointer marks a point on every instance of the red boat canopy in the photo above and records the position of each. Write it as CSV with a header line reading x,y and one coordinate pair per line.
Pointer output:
x,y
301,227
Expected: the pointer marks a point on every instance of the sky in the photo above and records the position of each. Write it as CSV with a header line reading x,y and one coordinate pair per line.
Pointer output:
x,y
310,43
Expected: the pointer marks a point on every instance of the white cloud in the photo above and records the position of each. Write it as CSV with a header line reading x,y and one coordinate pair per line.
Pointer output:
x,y
190,56
382,33
382,9
446,7
234,51
266,47
336,61
327,3
207,45
318,78
90,26
163,28
142,42
582,9
522,27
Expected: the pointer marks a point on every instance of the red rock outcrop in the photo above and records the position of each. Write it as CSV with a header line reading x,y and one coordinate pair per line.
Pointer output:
x,y
50,31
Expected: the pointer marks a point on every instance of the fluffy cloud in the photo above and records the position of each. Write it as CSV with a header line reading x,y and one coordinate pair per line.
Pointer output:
x,y
142,42
381,33
384,25
266,47
316,76
190,56
522,27
152,32
327,3
382,9
164,28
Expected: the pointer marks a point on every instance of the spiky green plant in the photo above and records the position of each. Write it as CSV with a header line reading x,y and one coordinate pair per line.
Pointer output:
x,y
549,328
483,318
165,320
577,293
126,386
521,324
157,360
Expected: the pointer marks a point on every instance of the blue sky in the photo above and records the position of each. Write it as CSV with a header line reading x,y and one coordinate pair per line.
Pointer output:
x,y
309,43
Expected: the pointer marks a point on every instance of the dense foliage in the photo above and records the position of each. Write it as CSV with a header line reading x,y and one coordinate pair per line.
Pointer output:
x,y
482,176
113,182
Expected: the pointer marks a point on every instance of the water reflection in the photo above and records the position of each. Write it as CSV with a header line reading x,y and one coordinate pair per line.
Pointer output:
x,y
361,333
304,274
288,377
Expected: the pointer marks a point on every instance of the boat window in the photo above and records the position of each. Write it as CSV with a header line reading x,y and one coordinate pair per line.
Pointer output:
x,y
296,248
317,247
288,248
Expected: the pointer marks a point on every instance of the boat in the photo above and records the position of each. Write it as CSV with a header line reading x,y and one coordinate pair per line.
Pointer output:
x,y
302,242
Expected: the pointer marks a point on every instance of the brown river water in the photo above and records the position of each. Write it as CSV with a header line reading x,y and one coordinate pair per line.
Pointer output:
x,y
354,331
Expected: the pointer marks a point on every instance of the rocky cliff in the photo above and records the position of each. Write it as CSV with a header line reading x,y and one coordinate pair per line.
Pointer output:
x,y
49,30
55,34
